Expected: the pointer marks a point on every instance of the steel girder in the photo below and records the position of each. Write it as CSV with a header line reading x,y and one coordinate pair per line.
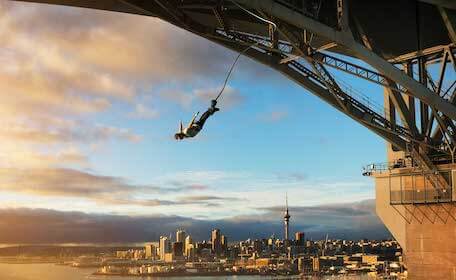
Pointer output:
x,y
449,18
344,38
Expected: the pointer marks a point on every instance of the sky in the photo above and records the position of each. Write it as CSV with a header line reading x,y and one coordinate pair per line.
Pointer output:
x,y
91,101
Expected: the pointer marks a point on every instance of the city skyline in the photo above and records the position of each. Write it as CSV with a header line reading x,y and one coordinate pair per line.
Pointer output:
x,y
214,256
90,135
263,256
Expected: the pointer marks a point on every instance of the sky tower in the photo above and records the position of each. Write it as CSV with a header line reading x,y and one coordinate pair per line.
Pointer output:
x,y
286,218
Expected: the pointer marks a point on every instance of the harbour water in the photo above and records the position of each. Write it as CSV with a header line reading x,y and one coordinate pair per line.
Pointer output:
x,y
58,272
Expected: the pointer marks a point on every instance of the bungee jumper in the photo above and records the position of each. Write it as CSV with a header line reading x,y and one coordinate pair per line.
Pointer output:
x,y
194,127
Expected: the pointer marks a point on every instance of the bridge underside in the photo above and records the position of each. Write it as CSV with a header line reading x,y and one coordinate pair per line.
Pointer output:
x,y
409,47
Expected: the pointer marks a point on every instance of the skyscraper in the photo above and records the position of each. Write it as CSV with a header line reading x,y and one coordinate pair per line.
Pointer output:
x,y
216,241
224,243
178,249
180,235
150,251
300,238
165,246
286,219
188,245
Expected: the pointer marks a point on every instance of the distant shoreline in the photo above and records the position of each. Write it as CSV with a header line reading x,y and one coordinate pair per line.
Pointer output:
x,y
97,245
184,274
28,262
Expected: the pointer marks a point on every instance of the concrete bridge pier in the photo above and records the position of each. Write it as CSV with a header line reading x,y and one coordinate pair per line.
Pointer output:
x,y
422,220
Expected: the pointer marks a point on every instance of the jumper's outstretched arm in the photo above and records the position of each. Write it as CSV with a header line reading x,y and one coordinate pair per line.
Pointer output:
x,y
193,119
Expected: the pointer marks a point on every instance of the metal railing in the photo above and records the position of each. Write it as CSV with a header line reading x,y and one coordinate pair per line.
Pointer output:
x,y
413,186
378,168
416,188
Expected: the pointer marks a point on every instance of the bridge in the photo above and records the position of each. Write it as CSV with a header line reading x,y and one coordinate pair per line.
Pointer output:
x,y
401,41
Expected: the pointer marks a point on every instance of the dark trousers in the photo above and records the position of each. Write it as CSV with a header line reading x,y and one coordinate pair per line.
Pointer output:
x,y
204,117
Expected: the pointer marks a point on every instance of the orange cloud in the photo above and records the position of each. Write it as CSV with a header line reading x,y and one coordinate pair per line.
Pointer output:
x,y
62,66
71,183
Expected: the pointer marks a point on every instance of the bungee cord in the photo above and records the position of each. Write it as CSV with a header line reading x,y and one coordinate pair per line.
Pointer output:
x,y
231,70
246,49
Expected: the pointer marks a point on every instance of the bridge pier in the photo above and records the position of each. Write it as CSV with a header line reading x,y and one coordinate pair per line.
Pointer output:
x,y
426,230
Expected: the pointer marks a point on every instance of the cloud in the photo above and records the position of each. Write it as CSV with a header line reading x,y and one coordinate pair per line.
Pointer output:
x,y
23,225
51,130
143,112
60,182
62,67
51,141
139,202
294,176
198,198
179,187
106,43
344,217
59,158
197,187
191,193
68,183
178,96
334,210
196,177
274,116
45,89
107,132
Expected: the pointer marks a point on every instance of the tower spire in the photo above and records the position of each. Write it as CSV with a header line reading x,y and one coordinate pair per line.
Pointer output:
x,y
286,218
286,200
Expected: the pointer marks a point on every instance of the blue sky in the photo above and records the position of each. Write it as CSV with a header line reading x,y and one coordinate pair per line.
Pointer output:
x,y
90,127
307,136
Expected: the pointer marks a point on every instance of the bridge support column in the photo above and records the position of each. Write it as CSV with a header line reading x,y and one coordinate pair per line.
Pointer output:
x,y
425,231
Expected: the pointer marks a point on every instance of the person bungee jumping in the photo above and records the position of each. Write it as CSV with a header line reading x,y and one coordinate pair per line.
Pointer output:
x,y
194,127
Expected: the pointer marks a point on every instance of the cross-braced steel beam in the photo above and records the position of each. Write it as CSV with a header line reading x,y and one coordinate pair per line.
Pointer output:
x,y
302,21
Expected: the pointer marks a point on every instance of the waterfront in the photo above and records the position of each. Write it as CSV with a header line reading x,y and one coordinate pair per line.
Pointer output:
x,y
57,272
207,259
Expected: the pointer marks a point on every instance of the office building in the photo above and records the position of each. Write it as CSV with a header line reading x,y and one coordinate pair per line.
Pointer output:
x,y
216,241
165,246
300,238
180,235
